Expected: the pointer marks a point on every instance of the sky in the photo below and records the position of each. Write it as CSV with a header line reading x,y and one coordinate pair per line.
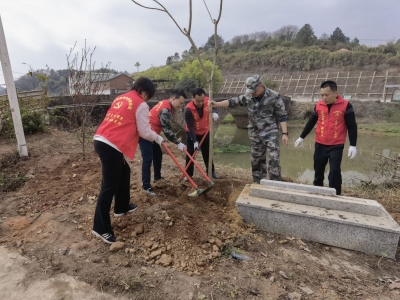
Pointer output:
x,y
41,33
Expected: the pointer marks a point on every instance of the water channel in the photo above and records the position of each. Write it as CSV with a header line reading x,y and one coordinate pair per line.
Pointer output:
x,y
297,163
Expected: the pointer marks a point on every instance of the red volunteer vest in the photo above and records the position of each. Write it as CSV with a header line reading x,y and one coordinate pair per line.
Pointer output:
x,y
201,125
154,119
331,127
119,125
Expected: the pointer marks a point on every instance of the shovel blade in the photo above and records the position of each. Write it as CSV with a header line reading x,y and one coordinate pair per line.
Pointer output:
x,y
206,190
195,193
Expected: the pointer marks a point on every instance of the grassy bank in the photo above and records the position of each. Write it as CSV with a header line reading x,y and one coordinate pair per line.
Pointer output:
x,y
382,129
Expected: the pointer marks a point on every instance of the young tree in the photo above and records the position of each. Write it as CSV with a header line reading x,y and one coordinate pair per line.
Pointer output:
x,y
211,42
305,36
338,37
177,57
186,84
165,72
170,60
324,37
185,54
85,87
137,65
286,33
187,33
193,71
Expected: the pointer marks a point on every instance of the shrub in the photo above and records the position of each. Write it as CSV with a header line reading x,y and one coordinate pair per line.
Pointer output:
x,y
33,120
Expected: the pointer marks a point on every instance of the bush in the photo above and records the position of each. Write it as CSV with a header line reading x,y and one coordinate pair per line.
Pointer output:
x,y
33,121
393,60
269,84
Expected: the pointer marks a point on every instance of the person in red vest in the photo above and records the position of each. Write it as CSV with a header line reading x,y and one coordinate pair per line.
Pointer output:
x,y
160,120
126,120
197,124
334,117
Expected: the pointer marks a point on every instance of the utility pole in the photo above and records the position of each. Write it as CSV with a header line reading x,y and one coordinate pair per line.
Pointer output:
x,y
12,94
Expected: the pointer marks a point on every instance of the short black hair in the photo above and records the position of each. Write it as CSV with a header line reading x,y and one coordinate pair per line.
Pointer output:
x,y
143,84
198,91
332,85
178,93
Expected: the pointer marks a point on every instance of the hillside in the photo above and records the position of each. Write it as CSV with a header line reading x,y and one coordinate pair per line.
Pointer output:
x,y
290,50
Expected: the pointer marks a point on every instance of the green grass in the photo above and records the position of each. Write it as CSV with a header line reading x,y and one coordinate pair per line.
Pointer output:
x,y
383,129
232,148
386,129
228,119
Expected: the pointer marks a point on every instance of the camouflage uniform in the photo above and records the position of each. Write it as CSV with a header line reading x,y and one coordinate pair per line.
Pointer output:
x,y
265,113
165,119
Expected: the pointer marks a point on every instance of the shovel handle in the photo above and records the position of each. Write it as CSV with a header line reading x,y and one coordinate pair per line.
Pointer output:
x,y
179,166
197,166
194,154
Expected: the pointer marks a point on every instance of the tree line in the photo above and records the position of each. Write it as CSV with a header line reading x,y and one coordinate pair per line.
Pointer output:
x,y
276,47
56,81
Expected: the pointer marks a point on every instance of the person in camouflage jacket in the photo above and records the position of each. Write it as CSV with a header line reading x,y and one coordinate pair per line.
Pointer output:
x,y
266,111
160,117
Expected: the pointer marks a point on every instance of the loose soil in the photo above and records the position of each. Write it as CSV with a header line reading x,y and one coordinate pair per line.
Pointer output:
x,y
173,246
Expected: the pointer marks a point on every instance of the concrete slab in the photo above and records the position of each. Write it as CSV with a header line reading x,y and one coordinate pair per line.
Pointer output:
x,y
320,190
378,235
349,204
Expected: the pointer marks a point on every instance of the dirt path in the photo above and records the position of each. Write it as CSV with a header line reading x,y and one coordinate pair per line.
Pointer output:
x,y
172,247
13,278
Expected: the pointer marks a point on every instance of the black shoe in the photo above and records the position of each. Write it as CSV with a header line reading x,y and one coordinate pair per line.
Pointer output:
x,y
109,238
132,207
214,175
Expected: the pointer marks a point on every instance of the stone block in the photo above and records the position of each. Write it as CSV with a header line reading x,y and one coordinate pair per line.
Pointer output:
x,y
349,204
378,235
320,190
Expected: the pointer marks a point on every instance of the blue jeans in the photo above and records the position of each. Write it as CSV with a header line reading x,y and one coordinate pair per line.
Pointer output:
x,y
151,154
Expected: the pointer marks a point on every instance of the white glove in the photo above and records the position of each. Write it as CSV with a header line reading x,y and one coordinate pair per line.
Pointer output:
x,y
159,140
298,142
352,152
215,117
196,146
181,146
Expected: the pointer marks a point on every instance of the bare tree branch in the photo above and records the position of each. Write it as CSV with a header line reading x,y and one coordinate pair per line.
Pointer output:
x,y
216,38
211,85
165,10
208,10
190,18
220,13
147,6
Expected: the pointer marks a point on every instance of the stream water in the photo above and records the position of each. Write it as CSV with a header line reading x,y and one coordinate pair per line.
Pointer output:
x,y
298,162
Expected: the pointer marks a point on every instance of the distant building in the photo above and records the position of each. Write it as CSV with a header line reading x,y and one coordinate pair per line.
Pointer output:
x,y
99,84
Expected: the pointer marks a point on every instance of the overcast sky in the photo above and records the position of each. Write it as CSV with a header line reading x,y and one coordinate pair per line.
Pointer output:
x,y
41,32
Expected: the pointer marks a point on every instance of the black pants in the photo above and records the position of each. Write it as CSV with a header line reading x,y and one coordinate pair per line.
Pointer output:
x,y
322,155
205,146
115,183
151,154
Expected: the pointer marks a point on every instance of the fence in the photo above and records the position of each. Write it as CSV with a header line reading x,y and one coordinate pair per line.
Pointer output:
x,y
368,85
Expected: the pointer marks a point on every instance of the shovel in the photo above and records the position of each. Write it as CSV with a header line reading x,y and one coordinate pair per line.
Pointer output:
x,y
197,191
194,154
211,184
